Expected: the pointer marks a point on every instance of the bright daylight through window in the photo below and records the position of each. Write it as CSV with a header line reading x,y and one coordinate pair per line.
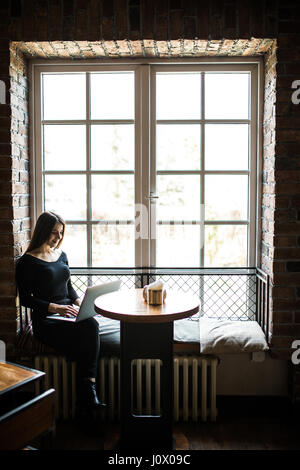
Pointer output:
x,y
176,142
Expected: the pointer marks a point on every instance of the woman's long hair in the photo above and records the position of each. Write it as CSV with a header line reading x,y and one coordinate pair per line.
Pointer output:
x,y
43,228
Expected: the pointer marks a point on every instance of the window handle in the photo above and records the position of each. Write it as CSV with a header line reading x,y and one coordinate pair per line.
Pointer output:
x,y
152,196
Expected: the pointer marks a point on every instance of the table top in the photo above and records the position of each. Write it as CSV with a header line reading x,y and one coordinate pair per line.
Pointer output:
x,y
130,306
15,375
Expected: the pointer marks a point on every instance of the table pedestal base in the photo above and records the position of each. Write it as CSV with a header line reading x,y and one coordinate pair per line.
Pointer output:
x,y
147,341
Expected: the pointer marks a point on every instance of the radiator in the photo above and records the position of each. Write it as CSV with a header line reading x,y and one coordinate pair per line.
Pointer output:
x,y
194,386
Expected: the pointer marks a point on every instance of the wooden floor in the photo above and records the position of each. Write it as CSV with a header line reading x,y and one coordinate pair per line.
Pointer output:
x,y
242,424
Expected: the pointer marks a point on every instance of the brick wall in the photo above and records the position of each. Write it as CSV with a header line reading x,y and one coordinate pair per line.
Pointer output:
x,y
268,201
163,28
14,178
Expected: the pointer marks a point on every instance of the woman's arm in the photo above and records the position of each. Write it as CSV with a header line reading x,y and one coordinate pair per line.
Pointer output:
x,y
77,302
24,279
72,294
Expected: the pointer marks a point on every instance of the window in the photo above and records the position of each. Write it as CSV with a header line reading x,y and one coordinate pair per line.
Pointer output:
x,y
150,164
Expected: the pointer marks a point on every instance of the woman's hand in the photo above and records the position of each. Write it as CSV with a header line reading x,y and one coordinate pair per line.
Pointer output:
x,y
63,310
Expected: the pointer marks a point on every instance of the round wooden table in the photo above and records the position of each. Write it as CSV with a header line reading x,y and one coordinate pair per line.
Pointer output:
x,y
146,333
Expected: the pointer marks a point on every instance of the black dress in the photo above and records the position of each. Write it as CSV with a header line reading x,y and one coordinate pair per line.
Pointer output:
x,y
41,283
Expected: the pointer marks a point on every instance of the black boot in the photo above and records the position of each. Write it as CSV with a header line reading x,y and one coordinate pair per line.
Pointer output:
x,y
89,409
88,395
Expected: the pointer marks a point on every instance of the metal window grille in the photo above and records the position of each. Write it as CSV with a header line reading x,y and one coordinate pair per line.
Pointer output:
x,y
225,293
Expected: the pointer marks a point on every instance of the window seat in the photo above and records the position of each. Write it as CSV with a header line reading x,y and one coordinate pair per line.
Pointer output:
x,y
207,336
186,339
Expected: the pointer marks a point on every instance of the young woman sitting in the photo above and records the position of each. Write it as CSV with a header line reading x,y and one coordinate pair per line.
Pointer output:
x,y
44,284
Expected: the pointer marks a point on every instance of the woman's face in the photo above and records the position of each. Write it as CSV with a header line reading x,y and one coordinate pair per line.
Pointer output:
x,y
55,235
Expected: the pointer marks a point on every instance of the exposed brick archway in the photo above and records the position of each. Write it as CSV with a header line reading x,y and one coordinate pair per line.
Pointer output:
x,y
144,48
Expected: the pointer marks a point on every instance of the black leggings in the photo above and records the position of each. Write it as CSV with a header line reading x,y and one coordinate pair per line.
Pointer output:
x,y
79,342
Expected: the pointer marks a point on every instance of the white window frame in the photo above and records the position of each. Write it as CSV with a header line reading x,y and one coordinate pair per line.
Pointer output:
x,y
145,123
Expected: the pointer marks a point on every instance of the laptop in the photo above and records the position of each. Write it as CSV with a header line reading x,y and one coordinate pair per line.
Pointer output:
x,y
86,309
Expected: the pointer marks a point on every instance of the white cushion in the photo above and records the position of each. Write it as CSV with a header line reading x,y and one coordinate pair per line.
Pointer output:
x,y
221,337
186,331
107,326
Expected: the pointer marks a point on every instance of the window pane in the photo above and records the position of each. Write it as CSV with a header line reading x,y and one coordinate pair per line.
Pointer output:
x,y
225,245
226,95
226,197
226,146
75,245
64,96
66,194
178,245
178,95
179,197
113,197
112,147
113,245
112,95
64,147
178,147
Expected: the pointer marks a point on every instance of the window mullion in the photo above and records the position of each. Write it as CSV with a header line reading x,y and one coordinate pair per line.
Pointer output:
x,y
146,179
88,174
202,174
